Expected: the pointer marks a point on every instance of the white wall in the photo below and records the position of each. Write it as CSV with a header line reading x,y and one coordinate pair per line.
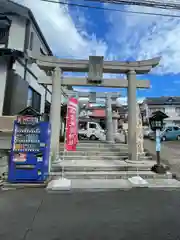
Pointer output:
x,y
37,42
3,74
2,45
16,41
19,69
32,80
17,33
36,86
170,111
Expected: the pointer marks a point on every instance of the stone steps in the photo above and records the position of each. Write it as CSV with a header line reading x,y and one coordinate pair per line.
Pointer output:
x,y
94,153
98,160
94,157
97,143
92,149
102,168
98,146
101,149
96,166
102,165
111,175
99,156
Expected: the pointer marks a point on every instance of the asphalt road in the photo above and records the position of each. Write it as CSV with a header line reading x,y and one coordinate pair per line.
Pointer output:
x,y
123,215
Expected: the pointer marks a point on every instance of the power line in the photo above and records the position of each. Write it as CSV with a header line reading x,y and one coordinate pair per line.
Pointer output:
x,y
110,9
145,3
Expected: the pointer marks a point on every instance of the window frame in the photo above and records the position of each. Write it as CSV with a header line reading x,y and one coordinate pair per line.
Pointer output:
x,y
42,52
31,40
93,124
4,39
169,129
176,128
35,101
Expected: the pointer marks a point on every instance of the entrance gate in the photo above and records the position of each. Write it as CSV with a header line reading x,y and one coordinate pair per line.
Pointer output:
x,y
95,66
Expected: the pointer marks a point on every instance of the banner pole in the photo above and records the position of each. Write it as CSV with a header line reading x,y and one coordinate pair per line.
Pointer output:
x,y
64,151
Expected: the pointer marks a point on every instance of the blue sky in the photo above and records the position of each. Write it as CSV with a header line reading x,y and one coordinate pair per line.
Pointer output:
x,y
74,32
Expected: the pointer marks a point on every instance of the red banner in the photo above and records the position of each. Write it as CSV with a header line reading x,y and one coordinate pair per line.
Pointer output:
x,y
71,125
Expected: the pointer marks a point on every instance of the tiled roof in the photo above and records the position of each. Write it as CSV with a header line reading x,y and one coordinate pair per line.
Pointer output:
x,y
163,101
98,113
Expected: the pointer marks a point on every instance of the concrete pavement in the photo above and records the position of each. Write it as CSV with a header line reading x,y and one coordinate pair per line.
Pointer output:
x,y
135,214
174,145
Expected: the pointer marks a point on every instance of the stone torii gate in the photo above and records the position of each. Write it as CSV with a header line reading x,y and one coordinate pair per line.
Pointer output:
x,y
95,66
111,118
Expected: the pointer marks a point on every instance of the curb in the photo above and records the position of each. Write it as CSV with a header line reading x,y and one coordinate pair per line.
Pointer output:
x,y
22,186
5,184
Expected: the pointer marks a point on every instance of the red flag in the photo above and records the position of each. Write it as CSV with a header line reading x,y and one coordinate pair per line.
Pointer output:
x,y
71,125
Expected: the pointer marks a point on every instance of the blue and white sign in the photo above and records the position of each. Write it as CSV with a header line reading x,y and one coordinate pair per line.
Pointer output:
x,y
158,141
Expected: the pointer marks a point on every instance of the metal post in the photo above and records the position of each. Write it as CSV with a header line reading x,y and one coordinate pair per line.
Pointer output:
x,y
132,121
158,167
109,121
77,113
55,115
158,146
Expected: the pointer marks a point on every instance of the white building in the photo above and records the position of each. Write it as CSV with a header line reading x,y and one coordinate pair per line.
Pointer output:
x,y
20,32
168,105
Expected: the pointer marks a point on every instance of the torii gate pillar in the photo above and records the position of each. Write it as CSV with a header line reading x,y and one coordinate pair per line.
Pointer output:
x,y
132,122
55,113
109,120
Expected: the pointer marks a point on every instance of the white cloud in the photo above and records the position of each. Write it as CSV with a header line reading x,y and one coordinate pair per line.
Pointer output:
x,y
129,36
65,38
124,100
146,36
81,89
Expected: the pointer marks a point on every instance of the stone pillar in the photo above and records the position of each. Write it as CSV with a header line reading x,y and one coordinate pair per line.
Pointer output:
x,y
109,121
55,115
115,125
132,148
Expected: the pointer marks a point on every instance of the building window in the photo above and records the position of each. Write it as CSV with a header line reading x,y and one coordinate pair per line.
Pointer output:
x,y
178,110
31,41
4,35
30,96
34,99
157,109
